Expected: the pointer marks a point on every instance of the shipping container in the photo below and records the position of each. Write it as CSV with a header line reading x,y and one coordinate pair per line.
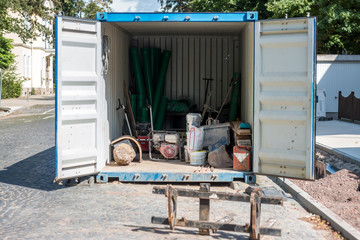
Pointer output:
x,y
276,59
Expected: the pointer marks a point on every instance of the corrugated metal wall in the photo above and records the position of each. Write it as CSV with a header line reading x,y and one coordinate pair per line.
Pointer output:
x,y
114,80
338,73
194,58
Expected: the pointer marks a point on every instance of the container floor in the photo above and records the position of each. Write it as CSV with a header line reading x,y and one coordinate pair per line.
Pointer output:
x,y
175,166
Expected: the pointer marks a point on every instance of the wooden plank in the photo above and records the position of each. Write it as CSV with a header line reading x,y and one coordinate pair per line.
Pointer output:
x,y
237,197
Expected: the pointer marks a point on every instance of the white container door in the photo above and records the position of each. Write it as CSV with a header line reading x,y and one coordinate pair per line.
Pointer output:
x,y
79,93
284,98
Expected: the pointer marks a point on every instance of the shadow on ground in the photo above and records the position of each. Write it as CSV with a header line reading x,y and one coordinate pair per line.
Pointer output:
x,y
190,233
37,171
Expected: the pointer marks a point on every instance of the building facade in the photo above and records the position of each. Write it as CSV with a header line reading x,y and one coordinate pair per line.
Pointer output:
x,y
337,73
34,61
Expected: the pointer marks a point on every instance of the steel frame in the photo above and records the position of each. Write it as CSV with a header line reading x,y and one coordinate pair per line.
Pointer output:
x,y
205,195
103,177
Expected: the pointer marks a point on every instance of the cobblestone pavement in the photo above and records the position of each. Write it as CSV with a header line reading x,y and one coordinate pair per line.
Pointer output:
x,y
33,207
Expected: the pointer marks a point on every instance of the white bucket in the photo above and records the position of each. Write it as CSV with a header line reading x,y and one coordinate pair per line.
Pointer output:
x,y
197,158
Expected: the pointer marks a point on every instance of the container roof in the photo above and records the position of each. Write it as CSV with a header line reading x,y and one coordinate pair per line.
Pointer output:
x,y
182,28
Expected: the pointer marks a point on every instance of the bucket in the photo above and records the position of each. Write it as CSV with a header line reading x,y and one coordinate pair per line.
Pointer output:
x,y
197,158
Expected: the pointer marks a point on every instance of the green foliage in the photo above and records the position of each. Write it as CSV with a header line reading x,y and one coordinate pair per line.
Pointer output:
x,y
212,6
175,5
279,8
71,8
82,8
338,26
259,6
95,6
215,6
26,19
11,84
338,21
6,56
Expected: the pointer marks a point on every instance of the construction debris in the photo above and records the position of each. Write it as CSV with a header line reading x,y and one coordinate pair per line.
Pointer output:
x,y
124,154
219,158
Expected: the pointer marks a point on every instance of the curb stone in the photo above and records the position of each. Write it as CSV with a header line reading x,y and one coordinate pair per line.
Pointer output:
x,y
316,207
15,110
344,156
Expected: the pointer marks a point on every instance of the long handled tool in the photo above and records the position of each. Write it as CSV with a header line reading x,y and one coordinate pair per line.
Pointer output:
x,y
122,106
232,84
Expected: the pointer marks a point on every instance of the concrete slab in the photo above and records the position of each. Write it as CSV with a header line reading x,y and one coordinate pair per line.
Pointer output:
x,y
339,136
17,104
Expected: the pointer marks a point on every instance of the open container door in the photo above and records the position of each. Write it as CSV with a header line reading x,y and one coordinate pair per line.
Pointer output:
x,y
79,94
284,98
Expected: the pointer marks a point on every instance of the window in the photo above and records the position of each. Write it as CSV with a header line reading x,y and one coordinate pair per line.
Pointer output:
x,y
25,66
29,66
43,68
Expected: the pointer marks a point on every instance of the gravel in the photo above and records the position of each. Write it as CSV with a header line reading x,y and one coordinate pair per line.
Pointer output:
x,y
339,191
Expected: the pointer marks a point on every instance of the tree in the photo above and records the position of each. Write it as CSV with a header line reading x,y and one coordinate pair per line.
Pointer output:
x,y
6,56
215,6
338,26
212,6
338,21
24,17
175,5
11,84
82,8
259,6
97,6
278,8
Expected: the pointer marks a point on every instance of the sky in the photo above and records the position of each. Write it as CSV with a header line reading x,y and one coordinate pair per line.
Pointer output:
x,y
135,5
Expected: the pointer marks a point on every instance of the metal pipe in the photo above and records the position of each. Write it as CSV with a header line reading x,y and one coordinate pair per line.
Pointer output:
x,y
137,71
161,82
161,114
147,74
234,97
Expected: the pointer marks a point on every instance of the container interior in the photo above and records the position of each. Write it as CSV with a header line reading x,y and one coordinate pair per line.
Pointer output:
x,y
199,50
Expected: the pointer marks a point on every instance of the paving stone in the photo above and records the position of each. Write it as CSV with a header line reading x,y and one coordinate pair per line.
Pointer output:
x,y
33,207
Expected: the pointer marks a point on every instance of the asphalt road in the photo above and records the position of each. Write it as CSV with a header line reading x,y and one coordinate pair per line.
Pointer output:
x,y
33,207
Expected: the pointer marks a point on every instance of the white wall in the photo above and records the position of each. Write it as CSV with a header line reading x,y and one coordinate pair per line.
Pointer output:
x,y
33,71
338,73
